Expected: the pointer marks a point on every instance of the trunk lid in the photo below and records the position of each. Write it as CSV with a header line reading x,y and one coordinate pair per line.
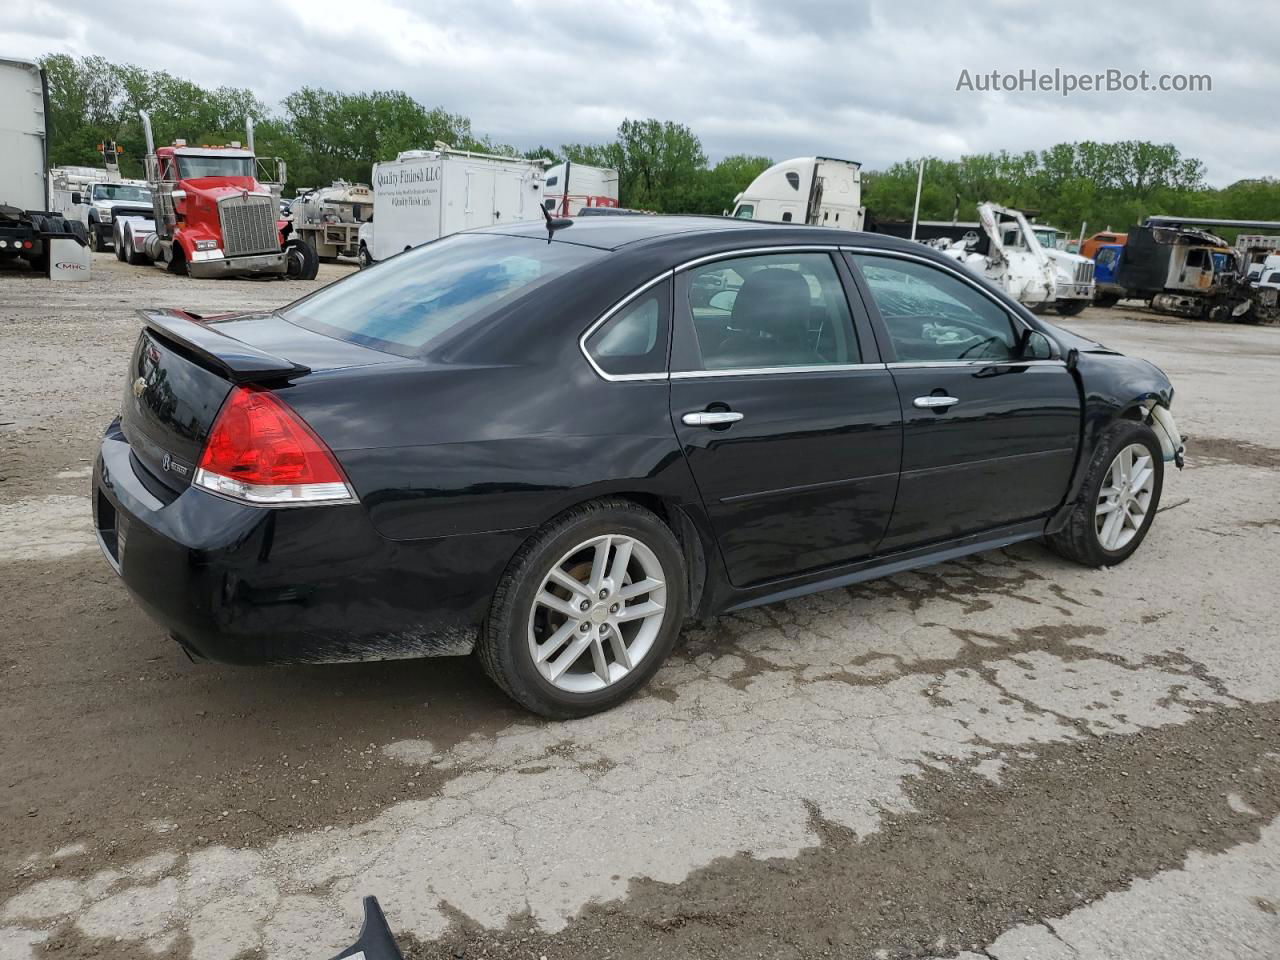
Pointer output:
x,y
184,366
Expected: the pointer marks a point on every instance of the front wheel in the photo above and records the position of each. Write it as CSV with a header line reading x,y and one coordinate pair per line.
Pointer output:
x,y
1069,308
364,259
301,262
587,611
1118,500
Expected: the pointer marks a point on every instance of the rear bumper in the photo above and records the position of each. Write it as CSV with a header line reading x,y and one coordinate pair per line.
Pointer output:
x,y
244,584
235,266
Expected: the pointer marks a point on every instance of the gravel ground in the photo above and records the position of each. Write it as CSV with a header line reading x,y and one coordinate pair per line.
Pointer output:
x,y
1007,756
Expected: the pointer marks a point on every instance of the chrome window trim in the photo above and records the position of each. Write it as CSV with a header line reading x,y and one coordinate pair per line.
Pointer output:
x,y
670,274
770,371
989,362
757,251
605,317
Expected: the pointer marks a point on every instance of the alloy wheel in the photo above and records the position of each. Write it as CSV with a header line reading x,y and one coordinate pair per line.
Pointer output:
x,y
1125,497
597,613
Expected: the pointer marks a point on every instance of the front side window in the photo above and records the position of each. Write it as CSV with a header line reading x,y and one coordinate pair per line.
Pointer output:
x,y
932,316
634,340
745,211
402,303
775,310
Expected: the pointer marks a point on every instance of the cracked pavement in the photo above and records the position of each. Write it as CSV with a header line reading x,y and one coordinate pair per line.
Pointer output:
x,y
1007,733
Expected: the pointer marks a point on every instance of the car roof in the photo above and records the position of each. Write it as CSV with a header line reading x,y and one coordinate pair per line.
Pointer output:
x,y
613,233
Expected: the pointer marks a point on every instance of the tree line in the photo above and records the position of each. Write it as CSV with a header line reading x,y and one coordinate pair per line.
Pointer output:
x,y
326,135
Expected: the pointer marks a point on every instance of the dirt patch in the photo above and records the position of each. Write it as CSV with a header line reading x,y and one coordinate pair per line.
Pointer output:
x,y
1211,451
974,860
112,737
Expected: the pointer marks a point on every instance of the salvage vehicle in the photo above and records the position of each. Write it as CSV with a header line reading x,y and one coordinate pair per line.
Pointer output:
x,y
213,215
818,191
617,423
1023,260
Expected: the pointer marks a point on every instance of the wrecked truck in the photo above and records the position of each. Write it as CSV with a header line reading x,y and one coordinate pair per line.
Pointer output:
x,y
1013,254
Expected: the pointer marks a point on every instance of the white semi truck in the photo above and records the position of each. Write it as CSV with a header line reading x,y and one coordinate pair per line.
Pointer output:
x,y
573,187
423,195
819,191
29,227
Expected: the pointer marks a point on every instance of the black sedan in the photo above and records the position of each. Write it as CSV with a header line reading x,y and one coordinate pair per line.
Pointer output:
x,y
551,448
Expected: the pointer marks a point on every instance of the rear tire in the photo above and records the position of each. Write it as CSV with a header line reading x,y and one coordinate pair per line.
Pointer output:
x,y
1112,515
627,650
132,257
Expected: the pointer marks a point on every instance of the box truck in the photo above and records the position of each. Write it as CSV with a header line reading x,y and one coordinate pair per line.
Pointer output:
x,y
423,195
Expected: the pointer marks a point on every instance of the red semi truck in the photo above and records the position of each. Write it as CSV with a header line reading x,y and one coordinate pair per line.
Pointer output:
x,y
212,217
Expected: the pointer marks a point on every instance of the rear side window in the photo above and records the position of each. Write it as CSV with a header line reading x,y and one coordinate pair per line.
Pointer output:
x,y
411,299
772,310
634,340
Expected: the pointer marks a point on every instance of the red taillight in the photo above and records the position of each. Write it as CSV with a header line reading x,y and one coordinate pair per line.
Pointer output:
x,y
260,451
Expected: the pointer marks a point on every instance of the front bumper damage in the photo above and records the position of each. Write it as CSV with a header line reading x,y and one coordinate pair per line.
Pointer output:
x,y
211,263
1173,445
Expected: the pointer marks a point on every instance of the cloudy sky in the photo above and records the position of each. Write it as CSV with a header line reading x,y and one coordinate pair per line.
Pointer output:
x,y
873,81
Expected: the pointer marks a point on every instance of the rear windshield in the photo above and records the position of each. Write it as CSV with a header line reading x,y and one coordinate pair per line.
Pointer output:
x,y
406,301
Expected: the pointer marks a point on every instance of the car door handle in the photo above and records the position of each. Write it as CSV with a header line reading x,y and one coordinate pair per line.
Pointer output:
x,y
933,403
711,418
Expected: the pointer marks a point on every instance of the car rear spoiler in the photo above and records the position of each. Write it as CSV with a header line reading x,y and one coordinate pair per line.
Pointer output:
x,y
376,941
236,360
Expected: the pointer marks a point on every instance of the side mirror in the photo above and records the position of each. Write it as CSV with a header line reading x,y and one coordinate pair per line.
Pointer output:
x,y
1036,346
77,199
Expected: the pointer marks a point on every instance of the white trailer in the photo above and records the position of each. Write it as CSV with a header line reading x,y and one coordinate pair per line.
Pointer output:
x,y
29,228
423,195
572,187
819,191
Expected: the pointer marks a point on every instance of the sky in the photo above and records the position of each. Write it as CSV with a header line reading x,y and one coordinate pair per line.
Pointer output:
x,y
871,81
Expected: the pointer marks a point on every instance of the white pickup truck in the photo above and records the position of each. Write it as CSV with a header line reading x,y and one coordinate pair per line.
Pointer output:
x,y
97,204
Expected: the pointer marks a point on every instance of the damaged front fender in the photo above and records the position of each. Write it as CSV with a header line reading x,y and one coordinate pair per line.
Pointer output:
x,y
1113,386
